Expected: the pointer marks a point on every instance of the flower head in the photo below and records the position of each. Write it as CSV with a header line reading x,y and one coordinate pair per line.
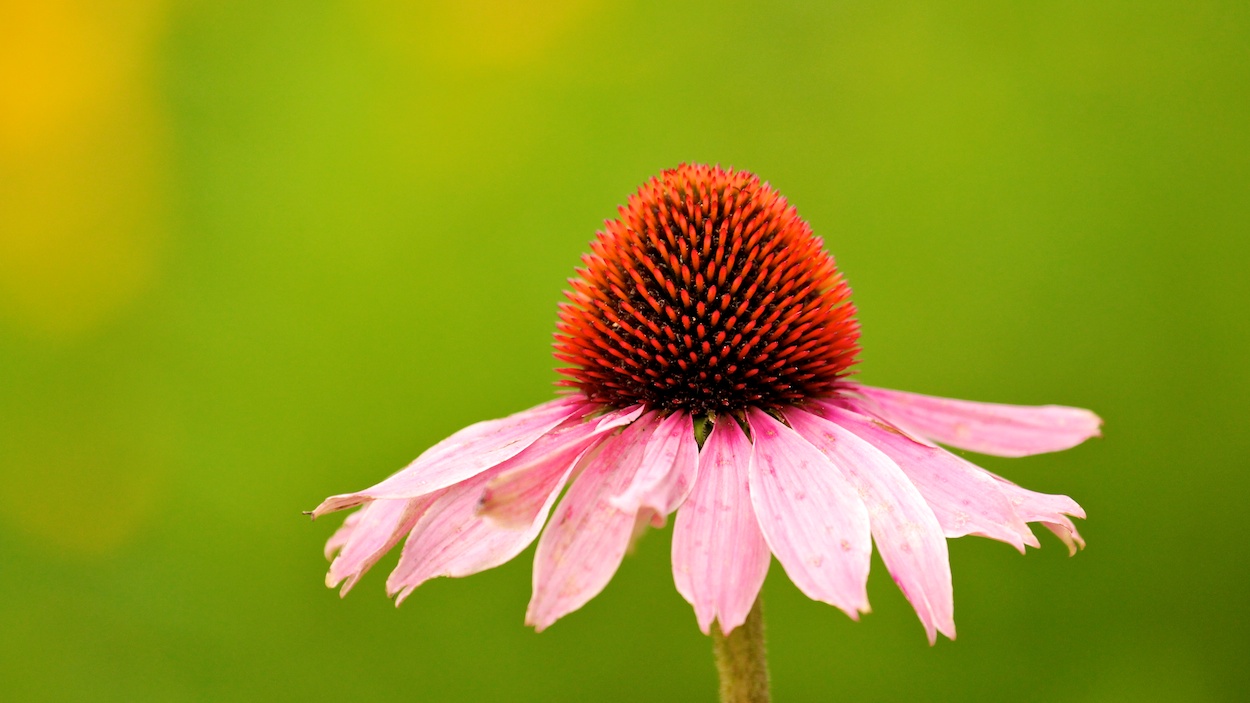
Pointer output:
x,y
708,339
708,294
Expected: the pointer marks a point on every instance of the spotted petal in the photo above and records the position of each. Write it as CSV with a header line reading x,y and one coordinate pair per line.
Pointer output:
x,y
906,531
588,536
812,517
720,557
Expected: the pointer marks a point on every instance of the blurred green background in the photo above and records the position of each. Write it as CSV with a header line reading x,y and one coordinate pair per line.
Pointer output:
x,y
255,253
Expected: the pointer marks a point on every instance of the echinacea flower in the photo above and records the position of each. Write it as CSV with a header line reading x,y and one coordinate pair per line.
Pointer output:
x,y
709,340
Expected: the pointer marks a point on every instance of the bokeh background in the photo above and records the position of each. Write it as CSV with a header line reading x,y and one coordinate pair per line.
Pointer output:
x,y
254,253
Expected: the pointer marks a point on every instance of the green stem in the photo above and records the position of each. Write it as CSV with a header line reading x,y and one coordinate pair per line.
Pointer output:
x,y
742,661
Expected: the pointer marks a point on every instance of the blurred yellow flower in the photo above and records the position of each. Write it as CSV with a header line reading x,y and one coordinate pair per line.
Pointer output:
x,y
82,160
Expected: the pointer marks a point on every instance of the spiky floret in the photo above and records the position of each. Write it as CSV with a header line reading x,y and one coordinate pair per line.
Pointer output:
x,y
707,294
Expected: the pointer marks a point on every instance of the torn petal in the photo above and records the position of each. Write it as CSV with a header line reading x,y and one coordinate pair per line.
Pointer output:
x,y
1049,509
374,531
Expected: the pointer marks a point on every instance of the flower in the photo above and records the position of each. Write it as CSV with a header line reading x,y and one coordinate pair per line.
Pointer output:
x,y
708,340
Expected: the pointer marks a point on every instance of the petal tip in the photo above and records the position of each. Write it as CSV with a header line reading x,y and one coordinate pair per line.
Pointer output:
x,y
403,594
946,629
538,623
348,583
337,503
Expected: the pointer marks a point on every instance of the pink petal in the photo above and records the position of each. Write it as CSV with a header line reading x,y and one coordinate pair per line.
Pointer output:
x,y
965,499
512,496
720,557
465,454
450,539
645,520
812,517
587,537
1066,531
366,535
668,468
454,537
618,418
988,428
1050,510
906,531
342,535
871,411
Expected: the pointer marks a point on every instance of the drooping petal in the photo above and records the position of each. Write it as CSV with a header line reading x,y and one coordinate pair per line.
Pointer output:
x,y
366,535
587,537
514,491
456,537
512,495
667,472
450,539
965,498
988,428
812,517
1048,509
465,454
906,531
720,557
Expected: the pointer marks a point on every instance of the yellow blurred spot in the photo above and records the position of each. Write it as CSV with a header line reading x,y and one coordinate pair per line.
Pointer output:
x,y
81,161
476,34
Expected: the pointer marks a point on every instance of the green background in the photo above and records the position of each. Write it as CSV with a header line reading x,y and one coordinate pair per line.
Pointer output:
x,y
252,254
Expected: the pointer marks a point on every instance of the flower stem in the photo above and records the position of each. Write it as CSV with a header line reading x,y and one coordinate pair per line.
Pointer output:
x,y
742,661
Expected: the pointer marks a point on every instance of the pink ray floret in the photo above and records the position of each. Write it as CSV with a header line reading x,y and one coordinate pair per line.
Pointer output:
x,y
720,557
814,491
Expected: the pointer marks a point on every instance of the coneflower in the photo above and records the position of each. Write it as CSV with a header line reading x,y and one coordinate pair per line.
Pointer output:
x,y
708,340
